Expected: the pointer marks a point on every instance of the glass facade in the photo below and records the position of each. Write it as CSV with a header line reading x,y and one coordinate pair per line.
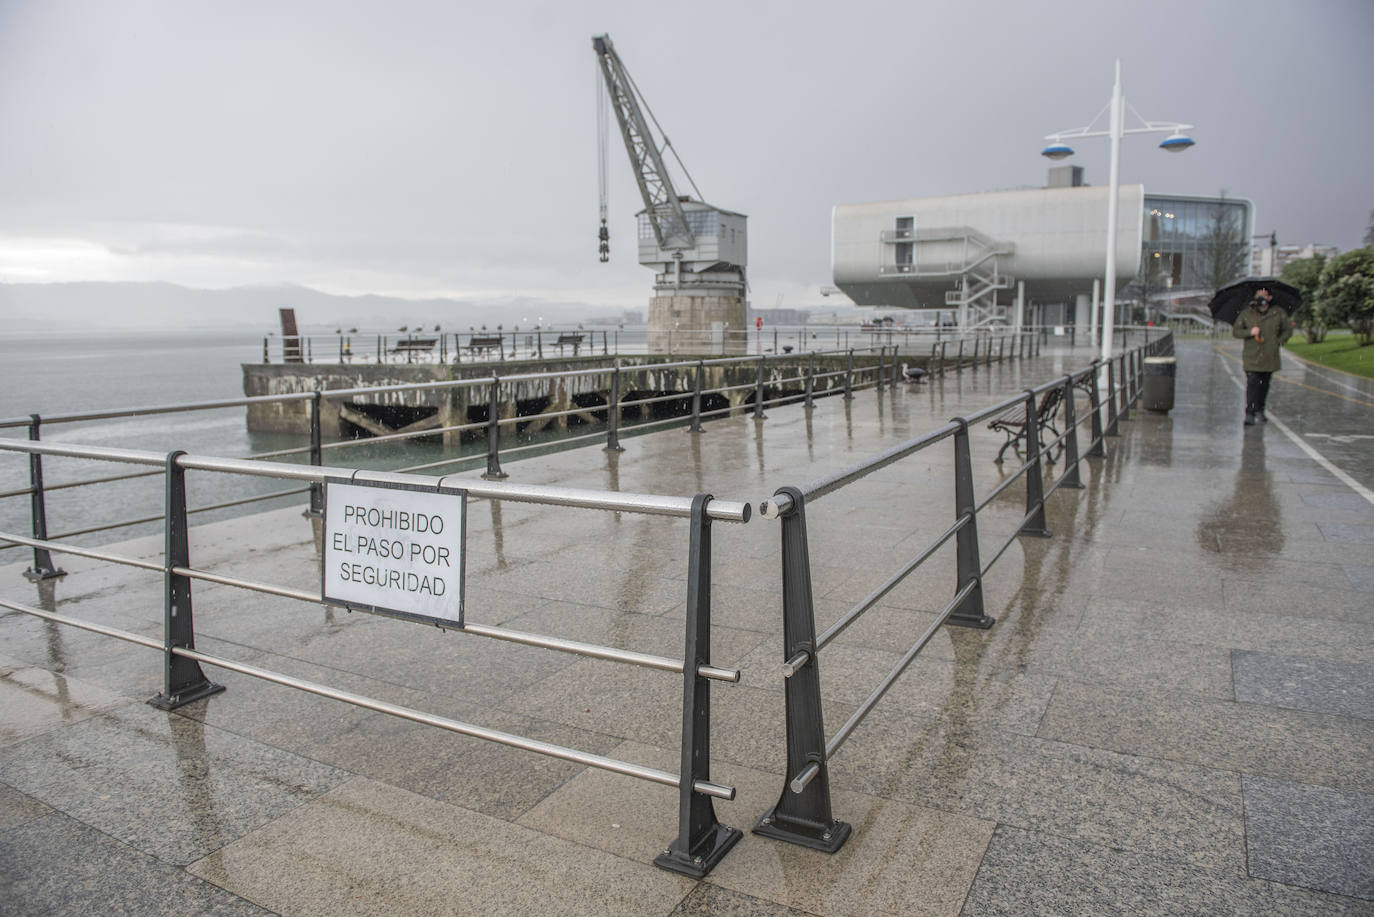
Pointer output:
x,y
702,223
1193,243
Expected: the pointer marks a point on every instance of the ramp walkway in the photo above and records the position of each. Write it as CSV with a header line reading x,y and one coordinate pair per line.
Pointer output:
x,y
1173,714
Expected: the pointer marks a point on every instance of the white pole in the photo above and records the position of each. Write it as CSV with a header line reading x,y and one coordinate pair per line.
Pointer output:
x,y
1109,297
1092,312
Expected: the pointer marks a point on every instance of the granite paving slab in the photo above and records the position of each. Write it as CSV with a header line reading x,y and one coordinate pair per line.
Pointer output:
x,y
1039,873
1301,683
166,785
1173,811
55,865
367,848
900,859
708,900
37,700
16,808
1361,576
1245,738
1310,836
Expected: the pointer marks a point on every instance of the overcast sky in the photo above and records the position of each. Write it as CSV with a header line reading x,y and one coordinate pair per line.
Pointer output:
x,y
449,148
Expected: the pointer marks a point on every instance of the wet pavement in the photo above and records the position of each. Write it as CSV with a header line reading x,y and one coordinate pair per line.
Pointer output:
x,y
1172,715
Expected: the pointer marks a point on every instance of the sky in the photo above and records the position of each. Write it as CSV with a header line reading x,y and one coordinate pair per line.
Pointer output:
x,y
449,149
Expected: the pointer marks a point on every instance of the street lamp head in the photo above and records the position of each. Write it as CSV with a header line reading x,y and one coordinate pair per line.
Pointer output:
x,y
1057,151
1177,143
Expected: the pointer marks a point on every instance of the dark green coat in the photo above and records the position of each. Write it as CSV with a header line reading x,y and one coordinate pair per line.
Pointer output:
x,y
1275,327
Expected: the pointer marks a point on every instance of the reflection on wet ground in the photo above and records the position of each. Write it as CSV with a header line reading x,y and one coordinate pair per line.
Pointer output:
x,y
1172,711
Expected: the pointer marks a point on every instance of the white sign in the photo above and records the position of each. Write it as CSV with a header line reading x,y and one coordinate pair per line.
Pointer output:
x,y
395,549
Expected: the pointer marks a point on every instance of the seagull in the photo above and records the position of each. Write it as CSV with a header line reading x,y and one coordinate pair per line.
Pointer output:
x,y
914,374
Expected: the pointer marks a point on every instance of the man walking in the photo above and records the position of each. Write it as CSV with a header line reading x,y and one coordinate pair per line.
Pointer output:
x,y
1264,329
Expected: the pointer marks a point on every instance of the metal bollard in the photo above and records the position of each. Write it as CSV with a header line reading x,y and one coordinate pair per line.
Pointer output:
x,y
810,380
184,682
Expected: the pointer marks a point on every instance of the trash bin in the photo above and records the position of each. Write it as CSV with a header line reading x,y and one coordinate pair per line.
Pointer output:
x,y
1158,393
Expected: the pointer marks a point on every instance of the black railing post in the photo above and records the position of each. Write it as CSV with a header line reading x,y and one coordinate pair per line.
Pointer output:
x,y
316,510
969,612
696,426
810,379
1035,481
933,349
1098,449
892,369
613,414
43,567
701,840
959,361
1111,399
802,815
494,472
1070,436
183,680
974,362
849,377
882,361
1125,413
758,392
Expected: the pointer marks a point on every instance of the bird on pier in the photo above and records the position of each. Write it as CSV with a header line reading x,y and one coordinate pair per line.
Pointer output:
x,y
913,373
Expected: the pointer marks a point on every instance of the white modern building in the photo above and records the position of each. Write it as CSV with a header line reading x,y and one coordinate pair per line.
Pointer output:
x,y
1034,253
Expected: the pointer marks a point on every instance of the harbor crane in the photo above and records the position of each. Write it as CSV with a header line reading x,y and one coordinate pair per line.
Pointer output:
x,y
698,251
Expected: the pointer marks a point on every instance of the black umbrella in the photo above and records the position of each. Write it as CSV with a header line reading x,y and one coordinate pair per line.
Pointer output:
x,y
1230,301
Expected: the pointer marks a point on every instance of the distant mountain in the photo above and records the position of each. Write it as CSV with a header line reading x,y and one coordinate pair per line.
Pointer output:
x,y
101,306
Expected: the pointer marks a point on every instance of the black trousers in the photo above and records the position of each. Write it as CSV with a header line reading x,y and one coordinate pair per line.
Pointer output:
x,y
1256,392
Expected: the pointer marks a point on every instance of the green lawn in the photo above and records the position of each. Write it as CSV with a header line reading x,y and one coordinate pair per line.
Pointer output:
x,y
1339,351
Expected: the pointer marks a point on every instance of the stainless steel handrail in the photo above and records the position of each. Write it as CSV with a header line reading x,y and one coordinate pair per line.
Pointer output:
x,y
649,504
705,787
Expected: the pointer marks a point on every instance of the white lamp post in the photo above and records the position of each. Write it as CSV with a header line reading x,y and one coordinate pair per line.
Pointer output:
x,y
1176,142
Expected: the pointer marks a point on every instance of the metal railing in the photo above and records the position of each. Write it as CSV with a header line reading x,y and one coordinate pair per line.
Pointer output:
x,y
701,839
502,344
803,813
781,378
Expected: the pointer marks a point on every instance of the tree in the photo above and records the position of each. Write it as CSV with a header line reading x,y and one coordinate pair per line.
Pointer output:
x,y
1345,292
1369,231
1304,275
1225,254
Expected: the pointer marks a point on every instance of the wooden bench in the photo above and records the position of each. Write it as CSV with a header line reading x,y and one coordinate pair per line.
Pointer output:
x,y
485,343
415,345
1012,422
573,340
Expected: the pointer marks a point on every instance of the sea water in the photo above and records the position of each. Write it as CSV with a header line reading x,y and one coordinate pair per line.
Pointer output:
x,y
56,374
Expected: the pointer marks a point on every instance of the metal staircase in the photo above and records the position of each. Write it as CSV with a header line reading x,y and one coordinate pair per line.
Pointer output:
x,y
966,256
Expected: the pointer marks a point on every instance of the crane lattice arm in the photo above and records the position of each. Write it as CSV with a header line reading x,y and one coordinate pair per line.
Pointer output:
x,y
661,201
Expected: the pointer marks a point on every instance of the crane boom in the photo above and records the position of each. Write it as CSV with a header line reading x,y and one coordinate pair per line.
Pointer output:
x,y
661,200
